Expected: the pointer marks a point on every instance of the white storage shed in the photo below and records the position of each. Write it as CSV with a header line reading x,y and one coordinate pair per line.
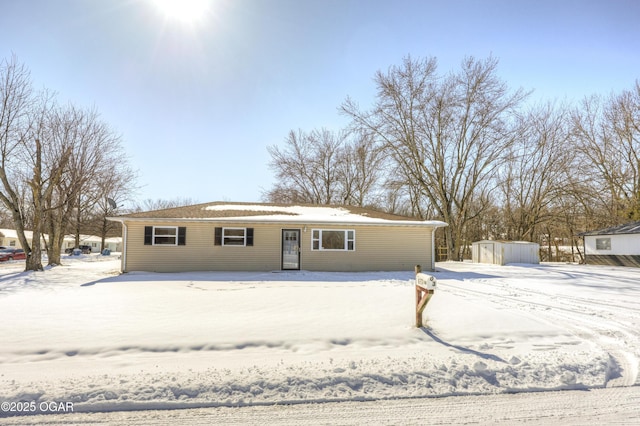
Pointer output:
x,y
503,252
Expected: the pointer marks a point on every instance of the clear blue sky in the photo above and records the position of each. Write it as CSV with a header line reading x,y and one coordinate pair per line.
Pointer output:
x,y
198,102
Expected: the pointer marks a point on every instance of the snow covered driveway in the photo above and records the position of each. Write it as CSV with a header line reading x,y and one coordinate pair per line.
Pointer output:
x,y
81,333
595,303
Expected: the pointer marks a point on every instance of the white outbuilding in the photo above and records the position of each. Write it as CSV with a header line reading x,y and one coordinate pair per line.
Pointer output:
x,y
503,252
618,245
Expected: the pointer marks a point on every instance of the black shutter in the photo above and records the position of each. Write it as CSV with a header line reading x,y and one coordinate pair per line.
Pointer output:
x,y
148,235
218,237
249,236
182,236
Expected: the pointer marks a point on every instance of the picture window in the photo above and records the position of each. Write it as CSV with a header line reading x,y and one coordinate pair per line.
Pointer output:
x,y
333,239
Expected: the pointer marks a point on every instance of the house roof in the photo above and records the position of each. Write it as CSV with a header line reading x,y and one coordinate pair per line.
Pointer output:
x,y
271,212
84,238
12,233
627,228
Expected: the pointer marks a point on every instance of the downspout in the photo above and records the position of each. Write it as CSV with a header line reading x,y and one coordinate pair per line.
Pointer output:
x,y
123,265
433,249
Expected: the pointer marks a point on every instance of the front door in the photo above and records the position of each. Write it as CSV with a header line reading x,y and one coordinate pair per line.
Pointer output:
x,y
290,249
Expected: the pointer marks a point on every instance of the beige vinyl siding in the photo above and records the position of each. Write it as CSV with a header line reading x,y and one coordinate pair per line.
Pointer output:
x,y
377,248
200,253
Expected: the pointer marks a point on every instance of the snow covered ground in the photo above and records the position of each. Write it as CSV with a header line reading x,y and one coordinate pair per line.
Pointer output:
x,y
84,334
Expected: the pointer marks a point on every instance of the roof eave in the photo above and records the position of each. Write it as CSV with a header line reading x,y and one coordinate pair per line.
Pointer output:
x,y
296,220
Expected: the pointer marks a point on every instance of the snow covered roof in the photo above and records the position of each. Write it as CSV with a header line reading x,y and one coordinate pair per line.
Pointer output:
x,y
627,228
12,233
270,213
84,238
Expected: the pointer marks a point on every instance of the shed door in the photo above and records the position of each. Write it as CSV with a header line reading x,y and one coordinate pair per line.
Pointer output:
x,y
290,249
486,252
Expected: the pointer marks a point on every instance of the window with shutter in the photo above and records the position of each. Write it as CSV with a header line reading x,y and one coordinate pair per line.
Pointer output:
x,y
238,237
164,235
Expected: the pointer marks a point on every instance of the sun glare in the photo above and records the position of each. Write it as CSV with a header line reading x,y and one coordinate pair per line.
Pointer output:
x,y
188,11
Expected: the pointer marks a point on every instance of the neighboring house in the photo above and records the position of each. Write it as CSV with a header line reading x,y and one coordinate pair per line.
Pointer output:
x,y
9,238
224,236
113,243
618,245
503,252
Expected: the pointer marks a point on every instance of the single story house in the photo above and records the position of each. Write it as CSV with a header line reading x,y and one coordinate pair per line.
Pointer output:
x,y
112,243
618,245
503,252
223,236
9,238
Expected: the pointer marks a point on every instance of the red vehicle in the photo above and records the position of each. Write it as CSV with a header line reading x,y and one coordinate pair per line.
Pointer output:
x,y
12,254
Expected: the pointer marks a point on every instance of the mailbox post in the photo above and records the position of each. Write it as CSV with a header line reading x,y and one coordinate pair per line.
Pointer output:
x,y
425,287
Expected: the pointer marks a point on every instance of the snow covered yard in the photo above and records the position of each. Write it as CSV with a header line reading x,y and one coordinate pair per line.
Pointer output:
x,y
82,333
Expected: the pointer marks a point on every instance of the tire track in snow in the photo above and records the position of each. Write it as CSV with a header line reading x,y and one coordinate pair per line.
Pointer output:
x,y
586,318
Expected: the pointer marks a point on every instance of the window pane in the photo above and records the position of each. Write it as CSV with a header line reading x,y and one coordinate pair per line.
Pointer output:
x,y
350,245
234,241
333,240
233,236
164,231
316,245
234,232
316,234
603,243
165,240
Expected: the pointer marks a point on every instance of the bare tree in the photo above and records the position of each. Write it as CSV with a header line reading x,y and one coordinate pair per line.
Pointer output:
x,y
113,189
448,135
5,217
306,168
66,129
16,104
607,133
624,113
97,165
325,167
46,165
161,204
533,177
52,159
360,165
25,160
